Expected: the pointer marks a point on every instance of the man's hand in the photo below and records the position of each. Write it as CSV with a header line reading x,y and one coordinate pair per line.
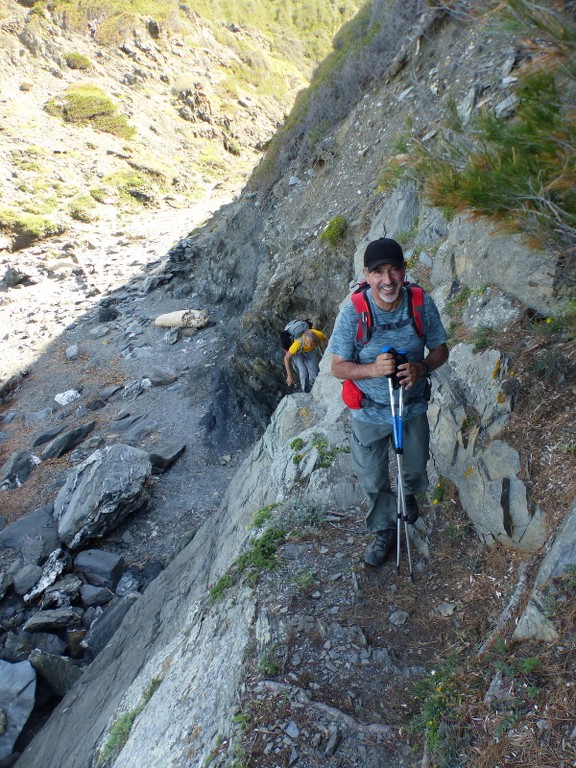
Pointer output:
x,y
385,364
409,373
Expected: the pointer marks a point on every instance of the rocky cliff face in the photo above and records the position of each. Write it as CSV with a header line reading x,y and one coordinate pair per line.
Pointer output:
x,y
189,661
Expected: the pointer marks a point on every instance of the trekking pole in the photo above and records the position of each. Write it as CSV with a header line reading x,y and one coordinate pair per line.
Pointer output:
x,y
398,430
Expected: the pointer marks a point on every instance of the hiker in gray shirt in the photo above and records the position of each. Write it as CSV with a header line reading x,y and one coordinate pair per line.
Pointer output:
x,y
367,369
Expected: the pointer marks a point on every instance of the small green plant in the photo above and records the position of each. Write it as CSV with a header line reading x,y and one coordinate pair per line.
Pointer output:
x,y
120,731
550,365
132,188
263,515
262,554
27,228
268,666
389,176
77,61
454,306
297,444
441,489
82,209
300,513
438,697
404,237
454,532
482,338
242,719
530,157
334,231
401,144
86,104
571,574
224,582
305,579
100,194
545,326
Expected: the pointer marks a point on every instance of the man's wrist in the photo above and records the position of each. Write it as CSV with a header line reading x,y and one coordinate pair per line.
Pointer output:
x,y
425,367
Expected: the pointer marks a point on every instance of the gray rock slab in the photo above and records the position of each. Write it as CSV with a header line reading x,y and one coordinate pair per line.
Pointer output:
x,y
35,549
29,525
19,644
92,595
106,625
164,453
55,619
17,469
47,435
99,567
17,691
67,442
60,672
26,578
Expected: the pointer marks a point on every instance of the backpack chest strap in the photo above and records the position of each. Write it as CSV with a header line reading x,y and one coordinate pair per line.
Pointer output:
x,y
392,326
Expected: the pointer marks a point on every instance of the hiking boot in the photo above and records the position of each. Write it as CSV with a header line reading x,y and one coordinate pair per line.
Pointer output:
x,y
377,552
412,509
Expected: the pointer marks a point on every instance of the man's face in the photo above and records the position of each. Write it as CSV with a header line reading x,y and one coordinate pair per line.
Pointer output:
x,y
385,283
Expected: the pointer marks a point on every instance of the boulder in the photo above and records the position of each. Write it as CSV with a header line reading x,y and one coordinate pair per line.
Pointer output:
x,y
102,492
17,691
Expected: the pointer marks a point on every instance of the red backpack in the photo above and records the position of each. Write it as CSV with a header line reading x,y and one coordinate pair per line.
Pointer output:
x,y
366,321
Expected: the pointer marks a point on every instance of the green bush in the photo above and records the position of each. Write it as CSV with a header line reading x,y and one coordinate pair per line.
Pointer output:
x,y
334,231
88,105
28,228
77,61
82,209
262,554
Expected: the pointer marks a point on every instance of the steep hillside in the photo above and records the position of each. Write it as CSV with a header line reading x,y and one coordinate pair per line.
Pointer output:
x,y
109,113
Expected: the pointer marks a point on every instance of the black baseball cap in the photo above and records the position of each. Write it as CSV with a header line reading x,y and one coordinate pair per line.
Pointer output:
x,y
383,251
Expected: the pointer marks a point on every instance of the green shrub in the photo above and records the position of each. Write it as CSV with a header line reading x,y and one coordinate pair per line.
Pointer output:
x,y
223,583
334,231
77,61
262,554
100,194
132,187
482,338
263,515
88,105
120,731
28,227
82,209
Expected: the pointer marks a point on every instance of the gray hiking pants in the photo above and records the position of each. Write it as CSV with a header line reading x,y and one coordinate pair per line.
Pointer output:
x,y
370,455
307,364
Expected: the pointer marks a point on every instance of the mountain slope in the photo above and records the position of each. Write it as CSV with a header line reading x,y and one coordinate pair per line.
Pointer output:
x,y
106,114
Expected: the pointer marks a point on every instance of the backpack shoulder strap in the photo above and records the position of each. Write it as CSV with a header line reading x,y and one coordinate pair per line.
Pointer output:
x,y
365,320
416,306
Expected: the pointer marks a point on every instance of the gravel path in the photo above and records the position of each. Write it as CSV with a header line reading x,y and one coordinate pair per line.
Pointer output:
x,y
71,279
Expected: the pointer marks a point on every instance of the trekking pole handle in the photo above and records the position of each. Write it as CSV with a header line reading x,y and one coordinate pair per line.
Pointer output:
x,y
393,383
401,357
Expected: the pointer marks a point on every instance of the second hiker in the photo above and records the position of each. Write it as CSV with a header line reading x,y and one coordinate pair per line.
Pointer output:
x,y
305,353
393,326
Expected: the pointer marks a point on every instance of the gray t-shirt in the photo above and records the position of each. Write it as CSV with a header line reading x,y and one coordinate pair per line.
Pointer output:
x,y
391,329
